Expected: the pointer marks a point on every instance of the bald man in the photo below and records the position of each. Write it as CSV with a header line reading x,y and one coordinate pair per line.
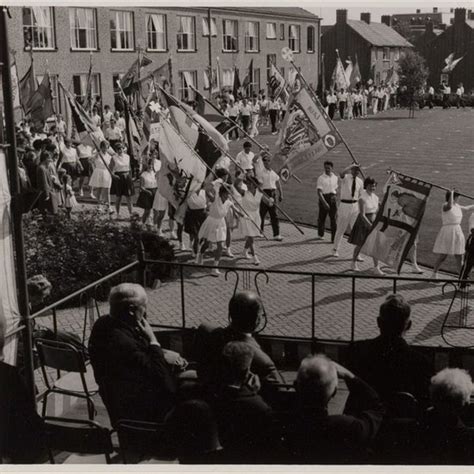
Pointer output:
x,y
321,438
134,378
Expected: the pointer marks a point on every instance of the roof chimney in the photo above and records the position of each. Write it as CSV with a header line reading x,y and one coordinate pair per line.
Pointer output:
x,y
418,10
459,15
435,9
341,17
386,19
365,17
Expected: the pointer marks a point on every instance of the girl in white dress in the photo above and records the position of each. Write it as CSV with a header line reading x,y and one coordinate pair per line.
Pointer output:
x,y
101,179
368,207
450,239
214,228
251,199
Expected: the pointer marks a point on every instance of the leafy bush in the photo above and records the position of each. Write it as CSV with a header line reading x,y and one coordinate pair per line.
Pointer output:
x,y
72,253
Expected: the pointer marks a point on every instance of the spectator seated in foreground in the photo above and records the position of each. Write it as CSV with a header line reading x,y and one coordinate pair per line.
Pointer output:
x,y
136,381
444,438
319,438
387,362
245,311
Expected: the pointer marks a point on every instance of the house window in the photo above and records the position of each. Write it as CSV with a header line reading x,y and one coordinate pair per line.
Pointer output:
x,y
205,27
229,35
83,25
227,78
53,81
282,31
121,30
38,27
187,79
186,36
251,36
294,38
271,31
156,32
79,86
310,37
386,54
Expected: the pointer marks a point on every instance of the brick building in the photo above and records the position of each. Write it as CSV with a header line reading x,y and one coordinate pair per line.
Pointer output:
x,y
376,45
64,39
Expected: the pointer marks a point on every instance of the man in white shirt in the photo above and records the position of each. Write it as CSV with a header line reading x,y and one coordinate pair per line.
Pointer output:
x,y
271,186
108,116
245,158
342,99
234,111
326,187
245,114
351,187
331,99
255,117
431,92
446,90
120,121
459,94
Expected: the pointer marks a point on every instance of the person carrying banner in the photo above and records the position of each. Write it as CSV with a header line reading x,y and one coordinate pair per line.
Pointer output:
x,y
244,159
245,115
273,112
331,100
351,187
233,111
469,255
450,239
368,207
123,184
326,187
342,100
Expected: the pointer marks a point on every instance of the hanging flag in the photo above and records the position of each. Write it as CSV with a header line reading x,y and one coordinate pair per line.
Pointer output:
x,y
216,79
68,118
277,84
236,84
451,63
248,79
88,97
9,312
348,70
41,104
196,130
338,79
355,77
151,118
151,74
15,86
182,172
134,74
398,220
27,88
306,134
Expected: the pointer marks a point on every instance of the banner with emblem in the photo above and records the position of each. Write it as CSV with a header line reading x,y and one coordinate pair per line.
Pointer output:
x,y
397,223
306,134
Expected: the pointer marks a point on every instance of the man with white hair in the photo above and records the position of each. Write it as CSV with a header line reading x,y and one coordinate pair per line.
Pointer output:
x,y
134,378
444,438
320,438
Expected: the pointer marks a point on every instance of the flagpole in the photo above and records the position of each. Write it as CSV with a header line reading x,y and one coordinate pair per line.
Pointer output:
x,y
391,170
209,52
235,163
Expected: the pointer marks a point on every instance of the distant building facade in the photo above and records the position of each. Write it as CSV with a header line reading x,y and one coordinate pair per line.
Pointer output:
x,y
376,45
64,39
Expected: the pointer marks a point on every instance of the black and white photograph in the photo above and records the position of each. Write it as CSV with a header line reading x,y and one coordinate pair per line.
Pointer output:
x,y
236,235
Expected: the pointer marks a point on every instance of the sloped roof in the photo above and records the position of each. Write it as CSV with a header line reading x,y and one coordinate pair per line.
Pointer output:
x,y
470,23
378,34
295,12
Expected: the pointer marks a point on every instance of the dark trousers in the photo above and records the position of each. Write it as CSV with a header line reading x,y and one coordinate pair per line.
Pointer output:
x,y
271,210
273,119
446,103
235,131
331,110
245,122
342,108
430,101
323,213
467,267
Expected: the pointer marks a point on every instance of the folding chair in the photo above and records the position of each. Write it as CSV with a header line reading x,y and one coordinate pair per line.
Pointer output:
x,y
78,382
77,436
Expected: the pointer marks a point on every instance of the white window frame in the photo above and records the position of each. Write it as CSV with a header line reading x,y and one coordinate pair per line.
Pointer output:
x,y
185,92
230,39
123,25
54,84
152,26
311,48
95,87
189,35
252,36
83,19
271,32
41,25
294,42
205,27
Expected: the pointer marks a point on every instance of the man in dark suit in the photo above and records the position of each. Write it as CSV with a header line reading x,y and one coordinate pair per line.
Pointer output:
x,y
134,379
319,438
387,362
245,311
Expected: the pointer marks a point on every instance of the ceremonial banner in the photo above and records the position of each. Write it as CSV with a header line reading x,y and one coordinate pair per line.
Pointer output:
x,y
9,312
15,87
248,79
355,76
182,172
348,71
277,84
451,63
236,86
134,73
212,114
41,104
398,220
306,134
338,79
151,118
28,86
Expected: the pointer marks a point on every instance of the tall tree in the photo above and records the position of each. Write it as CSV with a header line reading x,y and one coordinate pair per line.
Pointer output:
x,y
413,73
